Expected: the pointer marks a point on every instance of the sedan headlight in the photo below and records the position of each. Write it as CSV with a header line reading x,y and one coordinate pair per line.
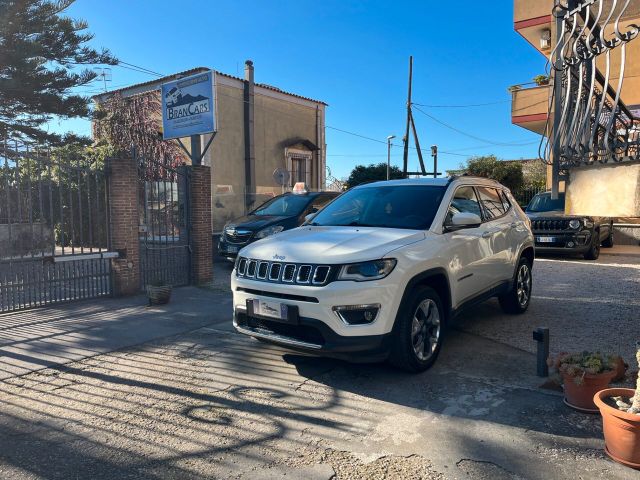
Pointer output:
x,y
373,270
575,224
265,232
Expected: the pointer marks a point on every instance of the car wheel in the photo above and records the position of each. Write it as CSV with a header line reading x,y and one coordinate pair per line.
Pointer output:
x,y
594,251
517,299
608,243
419,331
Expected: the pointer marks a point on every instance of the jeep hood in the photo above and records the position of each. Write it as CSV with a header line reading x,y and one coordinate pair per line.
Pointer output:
x,y
331,245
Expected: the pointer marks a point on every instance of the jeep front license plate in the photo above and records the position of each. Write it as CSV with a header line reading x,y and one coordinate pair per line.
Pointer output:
x,y
545,239
232,249
270,309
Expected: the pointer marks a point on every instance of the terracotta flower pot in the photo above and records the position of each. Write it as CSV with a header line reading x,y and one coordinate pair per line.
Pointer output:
x,y
158,295
621,429
580,396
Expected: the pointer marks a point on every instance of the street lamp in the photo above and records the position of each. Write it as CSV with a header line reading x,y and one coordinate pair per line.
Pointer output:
x,y
389,138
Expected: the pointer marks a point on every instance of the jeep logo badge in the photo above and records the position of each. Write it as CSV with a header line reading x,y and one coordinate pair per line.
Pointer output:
x,y
279,257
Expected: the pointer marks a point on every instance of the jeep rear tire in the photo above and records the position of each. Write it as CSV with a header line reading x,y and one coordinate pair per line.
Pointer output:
x,y
517,299
608,242
418,332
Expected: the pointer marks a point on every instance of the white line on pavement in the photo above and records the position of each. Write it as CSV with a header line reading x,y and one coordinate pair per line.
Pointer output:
x,y
590,263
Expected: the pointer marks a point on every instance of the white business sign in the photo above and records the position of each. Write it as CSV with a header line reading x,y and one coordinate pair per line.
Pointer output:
x,y
188,106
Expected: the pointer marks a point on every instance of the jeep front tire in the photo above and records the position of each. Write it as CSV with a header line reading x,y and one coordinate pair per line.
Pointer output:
x,y
419,331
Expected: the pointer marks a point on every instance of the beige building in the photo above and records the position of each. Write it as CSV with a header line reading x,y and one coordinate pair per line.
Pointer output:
x,y
267,140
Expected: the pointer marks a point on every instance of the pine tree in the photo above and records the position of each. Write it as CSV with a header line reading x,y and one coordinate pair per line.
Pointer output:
x,y
42,52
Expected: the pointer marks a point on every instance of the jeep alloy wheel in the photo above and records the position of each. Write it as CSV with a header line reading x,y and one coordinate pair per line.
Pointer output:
x,y
425,329
524,284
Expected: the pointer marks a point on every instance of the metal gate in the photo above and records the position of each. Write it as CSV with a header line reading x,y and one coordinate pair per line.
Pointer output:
x,y
165,251
54,227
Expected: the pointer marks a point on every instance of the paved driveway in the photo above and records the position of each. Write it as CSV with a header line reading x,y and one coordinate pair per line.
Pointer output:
x,y
212,404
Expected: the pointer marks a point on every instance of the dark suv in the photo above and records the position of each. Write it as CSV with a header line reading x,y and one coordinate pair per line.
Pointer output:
x,y
557,232
280,213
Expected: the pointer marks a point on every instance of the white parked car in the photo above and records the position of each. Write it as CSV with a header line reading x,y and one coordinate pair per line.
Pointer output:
x,y
381,270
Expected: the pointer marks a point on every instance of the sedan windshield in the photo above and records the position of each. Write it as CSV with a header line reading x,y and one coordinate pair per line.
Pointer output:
x,y
398,206
544,203
284,205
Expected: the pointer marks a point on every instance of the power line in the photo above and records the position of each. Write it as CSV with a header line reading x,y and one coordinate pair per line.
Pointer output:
x,y
464,133
471,105
120,62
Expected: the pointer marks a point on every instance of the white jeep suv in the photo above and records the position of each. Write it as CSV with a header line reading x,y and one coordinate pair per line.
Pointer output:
x,y
380,271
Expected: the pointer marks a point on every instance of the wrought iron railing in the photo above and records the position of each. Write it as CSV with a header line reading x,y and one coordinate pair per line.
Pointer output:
x,y
591,123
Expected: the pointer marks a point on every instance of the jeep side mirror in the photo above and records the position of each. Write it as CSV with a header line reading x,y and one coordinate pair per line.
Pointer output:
x,y
309,217
464,220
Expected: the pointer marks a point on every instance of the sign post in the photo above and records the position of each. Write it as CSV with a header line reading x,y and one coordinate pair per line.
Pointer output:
x,y
188,110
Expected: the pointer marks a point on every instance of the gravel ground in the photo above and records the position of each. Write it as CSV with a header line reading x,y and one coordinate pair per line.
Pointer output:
x,y
586,305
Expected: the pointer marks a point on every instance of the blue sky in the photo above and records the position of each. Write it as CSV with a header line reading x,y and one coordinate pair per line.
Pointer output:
x,y
353,55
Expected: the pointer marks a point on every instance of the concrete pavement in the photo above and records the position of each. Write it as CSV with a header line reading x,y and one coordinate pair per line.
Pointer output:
x,y
182,400
38,338
213,404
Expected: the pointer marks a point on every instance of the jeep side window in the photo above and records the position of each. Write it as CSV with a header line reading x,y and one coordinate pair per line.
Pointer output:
x,y
464,200
491,202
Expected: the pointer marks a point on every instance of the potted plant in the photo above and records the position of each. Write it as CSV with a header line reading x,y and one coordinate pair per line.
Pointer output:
x,y
583,374
158,292
541,80
620,410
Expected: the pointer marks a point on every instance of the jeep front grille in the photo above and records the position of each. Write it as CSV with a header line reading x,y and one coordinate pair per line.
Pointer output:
x,y
549,225
279,272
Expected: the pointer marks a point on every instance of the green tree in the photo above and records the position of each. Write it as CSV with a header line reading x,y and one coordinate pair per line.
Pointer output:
x,y
42,53
372,173
507,173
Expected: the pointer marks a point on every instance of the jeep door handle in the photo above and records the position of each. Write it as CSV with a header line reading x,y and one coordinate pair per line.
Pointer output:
x,y
487,234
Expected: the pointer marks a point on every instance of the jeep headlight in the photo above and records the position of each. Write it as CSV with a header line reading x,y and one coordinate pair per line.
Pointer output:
x,y
265,232
575,224
373,270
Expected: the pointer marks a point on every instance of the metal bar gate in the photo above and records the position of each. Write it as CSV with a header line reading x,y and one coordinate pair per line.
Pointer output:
x,y
54,227
165,248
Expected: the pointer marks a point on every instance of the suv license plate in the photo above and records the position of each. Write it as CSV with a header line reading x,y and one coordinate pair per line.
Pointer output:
x,y
545,239
271,309
231,249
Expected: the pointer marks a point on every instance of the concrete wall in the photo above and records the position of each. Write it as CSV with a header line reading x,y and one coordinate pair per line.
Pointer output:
x,y
604,190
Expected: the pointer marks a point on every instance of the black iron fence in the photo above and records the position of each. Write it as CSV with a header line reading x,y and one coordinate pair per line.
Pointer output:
x,y
525,194
54,227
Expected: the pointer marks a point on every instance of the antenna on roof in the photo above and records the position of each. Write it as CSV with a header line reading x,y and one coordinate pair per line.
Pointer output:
x,y
104,74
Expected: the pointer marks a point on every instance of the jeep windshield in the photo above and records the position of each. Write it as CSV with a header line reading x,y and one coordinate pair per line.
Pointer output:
x,y
284,206
544,203
392,206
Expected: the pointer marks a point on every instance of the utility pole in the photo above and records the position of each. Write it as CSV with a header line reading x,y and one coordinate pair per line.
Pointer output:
x,y
405,156
389,138
434,154
411,124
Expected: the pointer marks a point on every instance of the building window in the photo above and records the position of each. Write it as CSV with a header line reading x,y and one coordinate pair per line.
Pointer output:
x,y
299,165
299,171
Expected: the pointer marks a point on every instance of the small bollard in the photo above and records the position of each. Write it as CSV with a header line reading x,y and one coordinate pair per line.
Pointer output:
x,y
541,335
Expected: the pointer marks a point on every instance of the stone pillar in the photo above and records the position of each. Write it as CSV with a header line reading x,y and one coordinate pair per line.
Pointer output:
x,y
200,208
124,219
